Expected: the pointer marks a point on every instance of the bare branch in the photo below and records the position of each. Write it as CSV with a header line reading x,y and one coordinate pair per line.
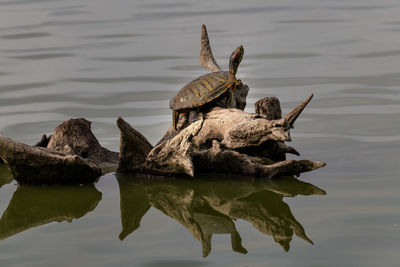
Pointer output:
x,y
207,59
295,113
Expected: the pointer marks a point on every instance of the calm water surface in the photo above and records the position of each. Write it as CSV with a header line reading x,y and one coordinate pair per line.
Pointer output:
x,y
104,59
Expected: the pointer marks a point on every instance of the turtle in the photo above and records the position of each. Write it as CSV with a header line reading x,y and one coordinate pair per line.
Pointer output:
x,y
212,89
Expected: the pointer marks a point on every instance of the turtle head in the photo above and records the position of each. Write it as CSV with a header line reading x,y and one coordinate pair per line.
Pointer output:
x,y
235,59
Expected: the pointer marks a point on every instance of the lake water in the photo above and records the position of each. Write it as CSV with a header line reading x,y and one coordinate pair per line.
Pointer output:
x,y
104,59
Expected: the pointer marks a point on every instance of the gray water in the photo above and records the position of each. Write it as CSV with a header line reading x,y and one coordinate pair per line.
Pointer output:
x,y
104,59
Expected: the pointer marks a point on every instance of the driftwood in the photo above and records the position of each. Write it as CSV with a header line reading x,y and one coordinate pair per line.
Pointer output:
x,y
134,148
228,141
71,155
208,207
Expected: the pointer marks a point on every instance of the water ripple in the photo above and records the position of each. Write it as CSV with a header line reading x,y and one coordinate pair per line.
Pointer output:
x,y
61,23
106,99
137,59
359,109
125,79
372,91
65,48
26,35
112,36
186,68
286,55
23,86
43,56
166,5
23,2
311,21
366,139
68,13
386,53
227,11
358,8
387,79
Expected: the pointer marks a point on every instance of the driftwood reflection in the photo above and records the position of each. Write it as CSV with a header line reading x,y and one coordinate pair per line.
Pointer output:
x,y
32,206
5,175
207,207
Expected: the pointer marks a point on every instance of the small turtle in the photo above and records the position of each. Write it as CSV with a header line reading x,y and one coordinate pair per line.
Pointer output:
x,y
215,89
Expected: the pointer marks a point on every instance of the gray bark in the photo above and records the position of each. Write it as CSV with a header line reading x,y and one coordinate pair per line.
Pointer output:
x,y
207,59
229,141
72,155
134,148
270,107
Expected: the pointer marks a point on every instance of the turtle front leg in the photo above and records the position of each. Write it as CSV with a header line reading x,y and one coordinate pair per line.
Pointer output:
x,y
175,119
195,115
182,122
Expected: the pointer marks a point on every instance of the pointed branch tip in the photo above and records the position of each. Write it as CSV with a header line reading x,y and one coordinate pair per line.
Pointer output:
x,y
207,59
295,113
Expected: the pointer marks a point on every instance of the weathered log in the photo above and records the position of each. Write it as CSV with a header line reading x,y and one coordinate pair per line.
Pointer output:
x,y
231,141
41,165
270,107
237,129
44,141
217,160
73,155
239,99
207,59
134,148
225,141
75,136
295,113
174,156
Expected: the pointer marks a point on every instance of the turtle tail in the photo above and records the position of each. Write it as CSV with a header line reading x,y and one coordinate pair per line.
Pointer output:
x,y
175,118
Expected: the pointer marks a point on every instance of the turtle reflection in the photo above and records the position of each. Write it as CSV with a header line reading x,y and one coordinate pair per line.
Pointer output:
x,y
208,207
32,206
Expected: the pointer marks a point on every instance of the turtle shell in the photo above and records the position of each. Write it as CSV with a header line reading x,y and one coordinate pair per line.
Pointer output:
x,y
203,90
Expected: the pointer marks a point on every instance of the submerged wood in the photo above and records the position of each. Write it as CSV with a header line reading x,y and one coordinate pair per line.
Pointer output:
x,y
72,155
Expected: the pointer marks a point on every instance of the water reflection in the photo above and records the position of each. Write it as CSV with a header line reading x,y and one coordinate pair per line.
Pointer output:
x,y
32,206
208,207
5,175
